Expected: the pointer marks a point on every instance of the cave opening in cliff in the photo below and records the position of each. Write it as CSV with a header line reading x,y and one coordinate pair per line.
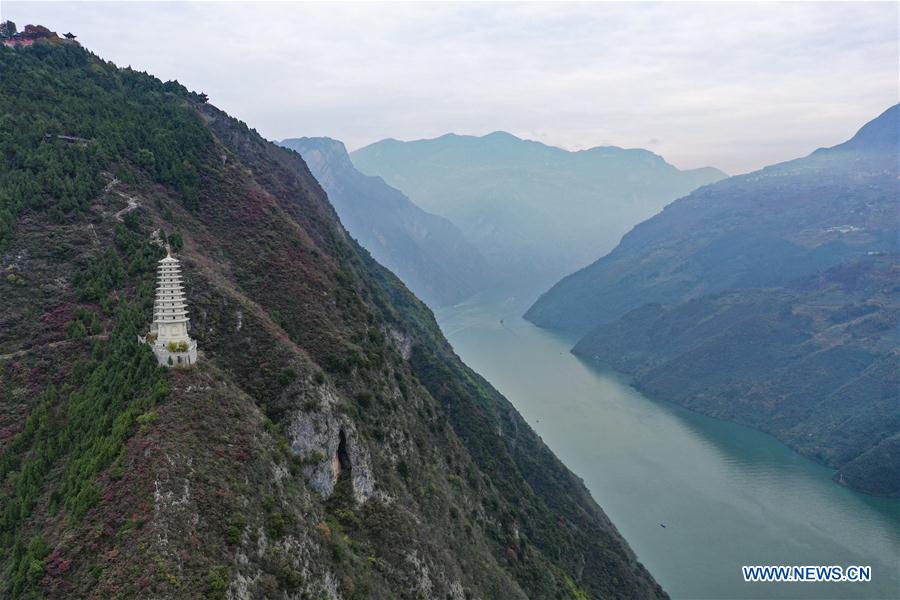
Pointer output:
x,y
342,496
342,453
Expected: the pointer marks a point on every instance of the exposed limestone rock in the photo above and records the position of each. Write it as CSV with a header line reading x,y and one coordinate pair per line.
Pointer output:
x,y
242,584
174,509
423,584
328,443
402,342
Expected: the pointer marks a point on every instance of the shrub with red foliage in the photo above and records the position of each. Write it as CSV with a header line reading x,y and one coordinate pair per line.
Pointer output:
x,y
56,564
58,317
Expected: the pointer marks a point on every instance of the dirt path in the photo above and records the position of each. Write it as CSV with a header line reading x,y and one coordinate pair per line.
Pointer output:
x,y
110,185
131,201
132,204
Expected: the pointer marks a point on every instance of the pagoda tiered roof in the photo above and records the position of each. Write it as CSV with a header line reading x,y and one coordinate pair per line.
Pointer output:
x,y
171,342
170,305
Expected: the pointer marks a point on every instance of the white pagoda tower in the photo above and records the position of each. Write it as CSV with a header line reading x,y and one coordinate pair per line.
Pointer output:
x,y
169,332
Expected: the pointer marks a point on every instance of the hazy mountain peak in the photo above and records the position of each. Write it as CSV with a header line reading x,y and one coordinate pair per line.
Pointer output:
x,y
324,150
502,135
321,141
880,134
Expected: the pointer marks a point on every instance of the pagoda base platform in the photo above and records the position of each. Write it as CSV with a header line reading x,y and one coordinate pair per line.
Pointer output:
x,y
176,358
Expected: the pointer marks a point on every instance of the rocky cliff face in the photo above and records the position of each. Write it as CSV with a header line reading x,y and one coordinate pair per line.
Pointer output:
x,y
427,252
328,444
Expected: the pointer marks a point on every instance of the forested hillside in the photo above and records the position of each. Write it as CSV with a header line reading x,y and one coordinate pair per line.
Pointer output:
x,y
813,363
328,443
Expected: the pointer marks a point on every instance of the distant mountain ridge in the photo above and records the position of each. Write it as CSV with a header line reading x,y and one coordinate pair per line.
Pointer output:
x,y
532,210
760,229
427,252
771,299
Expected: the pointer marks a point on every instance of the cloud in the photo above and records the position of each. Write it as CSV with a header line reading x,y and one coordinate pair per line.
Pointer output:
x,y
737,86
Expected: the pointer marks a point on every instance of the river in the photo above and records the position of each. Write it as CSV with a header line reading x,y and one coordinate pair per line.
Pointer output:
x,y
727,495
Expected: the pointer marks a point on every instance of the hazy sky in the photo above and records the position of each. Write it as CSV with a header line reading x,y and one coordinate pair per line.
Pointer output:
x,y
736,86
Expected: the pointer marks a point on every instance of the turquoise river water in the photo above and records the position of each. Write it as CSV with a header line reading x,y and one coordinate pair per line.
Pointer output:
x,y
727,495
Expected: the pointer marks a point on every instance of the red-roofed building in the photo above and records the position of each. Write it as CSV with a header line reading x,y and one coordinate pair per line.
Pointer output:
x,y
29,35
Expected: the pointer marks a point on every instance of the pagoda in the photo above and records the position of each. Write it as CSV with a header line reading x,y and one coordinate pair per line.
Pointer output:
x,y
168,336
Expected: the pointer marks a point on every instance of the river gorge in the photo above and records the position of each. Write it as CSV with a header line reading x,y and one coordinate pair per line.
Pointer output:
x,y
695,497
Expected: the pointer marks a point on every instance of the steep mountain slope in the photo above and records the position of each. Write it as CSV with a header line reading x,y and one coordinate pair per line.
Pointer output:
x,y
814,363
428,253
328,444
770,299
762,229
532,210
